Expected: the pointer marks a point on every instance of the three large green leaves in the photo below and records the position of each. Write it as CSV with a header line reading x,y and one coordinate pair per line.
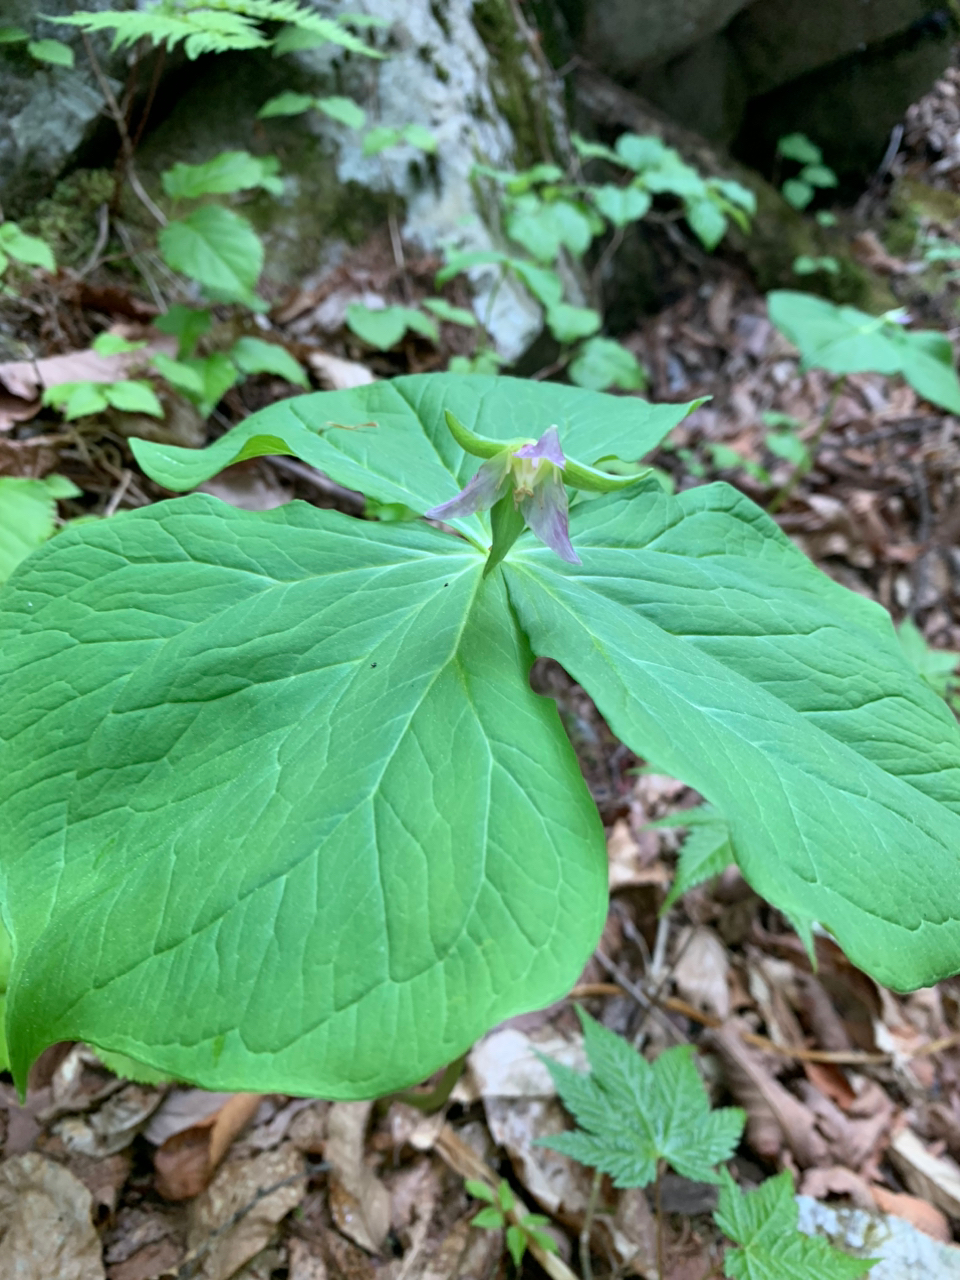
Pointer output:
x,y
281,812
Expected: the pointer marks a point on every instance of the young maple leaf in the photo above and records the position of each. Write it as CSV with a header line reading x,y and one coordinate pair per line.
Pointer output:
x,y
633,1113
764,1223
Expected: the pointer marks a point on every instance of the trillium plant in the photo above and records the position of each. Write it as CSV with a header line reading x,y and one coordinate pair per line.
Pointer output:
x,y
281,811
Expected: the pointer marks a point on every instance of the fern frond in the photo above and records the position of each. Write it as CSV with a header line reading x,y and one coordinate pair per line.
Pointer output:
x,y
215,26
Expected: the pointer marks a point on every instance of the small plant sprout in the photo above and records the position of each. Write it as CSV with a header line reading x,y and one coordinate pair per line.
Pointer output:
x,y
814,175
522,1229
635,1118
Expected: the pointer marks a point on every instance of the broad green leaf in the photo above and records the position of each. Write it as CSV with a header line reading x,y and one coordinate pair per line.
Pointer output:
x,y
280,809
797,193
818,175
28,510
713,646
218,249
343,110
621,204
253,355
706,851
384,328
380,139
217,374
77,399
409,456
30,250
798,147
445,310
133,397
114,344
13,35
543,227
568,324
286,104
764,1223
227,172
706,221
640,152
632,1113
603,362
419,136
845,340
186,324
55,52
179,375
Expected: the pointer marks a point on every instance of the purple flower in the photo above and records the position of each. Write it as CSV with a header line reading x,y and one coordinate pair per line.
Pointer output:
x,y
535,474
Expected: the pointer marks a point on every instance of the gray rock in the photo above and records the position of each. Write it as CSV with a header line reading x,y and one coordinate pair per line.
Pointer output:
x,y
625,36
904,1252
46,112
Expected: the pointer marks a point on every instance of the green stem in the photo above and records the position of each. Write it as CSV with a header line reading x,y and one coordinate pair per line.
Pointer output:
x,y
661,1271
586,1263
433,1099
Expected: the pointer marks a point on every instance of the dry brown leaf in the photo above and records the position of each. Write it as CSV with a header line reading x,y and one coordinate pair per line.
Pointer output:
x,y
838,1181
27,379
629,863
867,249
304,1263
852,1139
114,1125
248,486
239,1188
336,374
505,1064
45,1227
774,1115
933,1178
147,1263
919,1213
183,1109
359,1201
700,972
188,1159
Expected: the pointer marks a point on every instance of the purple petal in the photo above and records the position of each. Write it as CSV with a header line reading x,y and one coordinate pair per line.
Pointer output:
x,y
479,494
545,511
548,447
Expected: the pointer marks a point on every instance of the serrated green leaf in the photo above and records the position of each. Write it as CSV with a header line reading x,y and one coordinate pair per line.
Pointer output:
x,y
218,249
706,851
603,362
491,1219
343,110
55,52
227,172
479,1190
286,104
310,31
253,355
632,1113
303,796
133,397
800,720
516,1243
28,510
764,1223
845,340
30,250
409,457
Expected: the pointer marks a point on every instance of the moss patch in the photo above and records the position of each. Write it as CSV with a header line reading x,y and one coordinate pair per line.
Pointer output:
x,y
518,98
67,219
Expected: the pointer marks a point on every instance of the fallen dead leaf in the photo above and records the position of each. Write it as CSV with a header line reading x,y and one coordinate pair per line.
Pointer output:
x,y
188,1159
505,1064
337,374
45,1226
248,486
629,863
359,1202
933,1178
838,1181
919,1213
236,1216
114,1125
774,1115
27,379
700,973
303,1262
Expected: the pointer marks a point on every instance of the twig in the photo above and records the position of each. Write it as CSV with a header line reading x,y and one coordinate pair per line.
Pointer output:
x,y
642,999
586,1262
317,480
137,259
103,232
125,141
117,496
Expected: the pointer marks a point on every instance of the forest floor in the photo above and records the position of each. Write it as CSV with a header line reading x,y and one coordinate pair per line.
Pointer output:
x,y
856,1090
